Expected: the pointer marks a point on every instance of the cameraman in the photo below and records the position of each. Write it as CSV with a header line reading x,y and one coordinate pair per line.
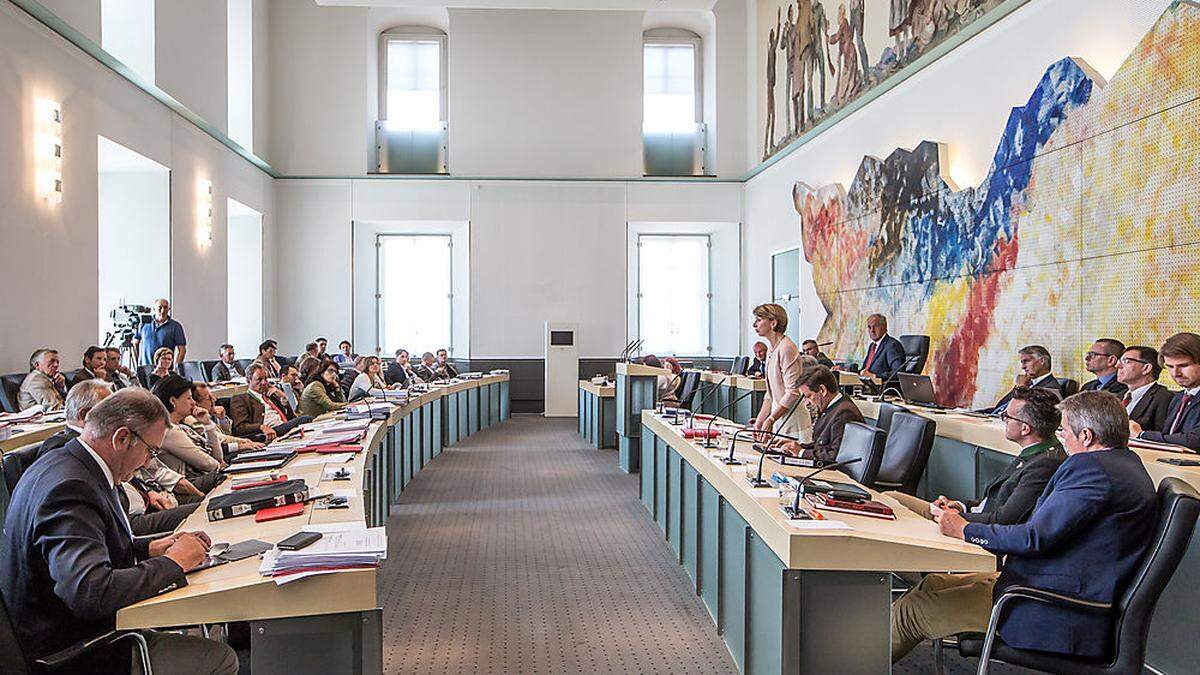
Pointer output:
x,y
163,331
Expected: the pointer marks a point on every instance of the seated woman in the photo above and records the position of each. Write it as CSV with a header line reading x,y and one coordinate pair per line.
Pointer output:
x,y
322,393
198,456
668,385
164,361
369,380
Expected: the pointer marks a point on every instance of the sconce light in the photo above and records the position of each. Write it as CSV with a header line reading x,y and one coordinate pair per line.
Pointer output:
x,y
204,212
48,142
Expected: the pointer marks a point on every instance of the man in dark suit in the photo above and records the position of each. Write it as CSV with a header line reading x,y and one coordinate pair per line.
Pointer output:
x,y
427,368
1030,421
1180,356
262,413
1101,361
1088,532
811,348
885,354
1035,372
93,366
819,387
444,368
758,365
227,367
69,561
1145,399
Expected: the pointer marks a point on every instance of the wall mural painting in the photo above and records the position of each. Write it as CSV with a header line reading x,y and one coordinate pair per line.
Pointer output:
x,y
818,55
1087,225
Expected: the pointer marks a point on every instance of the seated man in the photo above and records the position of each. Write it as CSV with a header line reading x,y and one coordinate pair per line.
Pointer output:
x,y
811,348
203,399
266,358
311,352
758,364
1034,372
1180,355
68,562
445,369
93,362
291,386
1085,538
149,510
1101,361
227,367
117,374
819,387
427,368
885,354
258,413
1030,421
1145,400
345,355
44,385
400,371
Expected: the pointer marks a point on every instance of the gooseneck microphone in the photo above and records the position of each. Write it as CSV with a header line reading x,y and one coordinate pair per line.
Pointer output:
x,y
757,481
708,430
704,398
794,511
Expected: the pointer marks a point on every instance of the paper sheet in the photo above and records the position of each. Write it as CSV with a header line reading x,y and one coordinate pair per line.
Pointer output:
x,y
819,525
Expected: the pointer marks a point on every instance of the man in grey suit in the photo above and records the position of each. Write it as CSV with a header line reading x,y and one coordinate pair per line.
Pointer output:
x,y
834,411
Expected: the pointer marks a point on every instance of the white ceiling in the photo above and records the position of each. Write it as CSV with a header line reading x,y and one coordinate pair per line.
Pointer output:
x,y
528,4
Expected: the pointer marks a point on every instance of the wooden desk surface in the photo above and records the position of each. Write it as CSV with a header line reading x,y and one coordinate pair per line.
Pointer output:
x,y
910,543
989,433
849,379
603,391
637,369
749,383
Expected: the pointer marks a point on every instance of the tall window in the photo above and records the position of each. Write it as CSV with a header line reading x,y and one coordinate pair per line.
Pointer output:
x,y
785,288
244,277
240,29
412,79
127,32
414,297
670,89
674,297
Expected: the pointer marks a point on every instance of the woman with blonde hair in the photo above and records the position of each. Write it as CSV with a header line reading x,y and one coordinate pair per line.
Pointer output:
x,y
781,410
164,361
370,378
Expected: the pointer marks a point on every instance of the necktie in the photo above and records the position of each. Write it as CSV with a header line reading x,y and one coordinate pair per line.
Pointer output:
x,y
274,407
870,357
120,512
1183,405
1128,399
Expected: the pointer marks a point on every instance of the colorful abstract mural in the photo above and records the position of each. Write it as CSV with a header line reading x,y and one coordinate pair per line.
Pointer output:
x,y
817,56
1087,225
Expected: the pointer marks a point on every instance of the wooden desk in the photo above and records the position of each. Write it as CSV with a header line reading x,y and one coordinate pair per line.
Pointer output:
x,y
785,599
328,623
598,414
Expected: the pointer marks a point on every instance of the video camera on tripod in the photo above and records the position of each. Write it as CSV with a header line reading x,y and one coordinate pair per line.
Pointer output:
x,y
127,321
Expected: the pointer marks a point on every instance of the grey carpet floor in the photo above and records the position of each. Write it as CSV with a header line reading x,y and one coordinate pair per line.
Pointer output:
x,y
524,550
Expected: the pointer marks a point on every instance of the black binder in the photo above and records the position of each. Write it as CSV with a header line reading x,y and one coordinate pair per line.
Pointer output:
x,y
250,500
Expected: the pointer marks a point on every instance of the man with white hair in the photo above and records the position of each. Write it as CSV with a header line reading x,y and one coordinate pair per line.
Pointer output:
x,y
163,331
44,385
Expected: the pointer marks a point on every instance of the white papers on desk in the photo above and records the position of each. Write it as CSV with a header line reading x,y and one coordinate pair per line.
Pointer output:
x,y
23,416
818,524
259,464
765,493
343,426
338,550
313,461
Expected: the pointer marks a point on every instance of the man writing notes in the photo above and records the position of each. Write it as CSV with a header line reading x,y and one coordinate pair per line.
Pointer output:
x,y
885,354
1180,355
1030,421
1101,361
819,387
1085,539
1145,400
69,562
1034,372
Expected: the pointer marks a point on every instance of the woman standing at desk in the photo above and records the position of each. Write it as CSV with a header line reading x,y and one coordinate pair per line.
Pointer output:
x,y
322,394
781,409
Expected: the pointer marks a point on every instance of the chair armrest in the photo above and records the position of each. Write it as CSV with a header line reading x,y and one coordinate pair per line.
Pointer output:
x,y
65,656
1052,598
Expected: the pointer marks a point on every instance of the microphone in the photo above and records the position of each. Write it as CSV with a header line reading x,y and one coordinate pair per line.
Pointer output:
x,y
895,376
708,441
757,481
625,351
637,346
703,399
824,344
793,512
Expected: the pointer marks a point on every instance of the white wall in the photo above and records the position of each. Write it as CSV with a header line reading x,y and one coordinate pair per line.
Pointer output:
x,y
127,33
82,15
191,56
244,278
50,250
962,100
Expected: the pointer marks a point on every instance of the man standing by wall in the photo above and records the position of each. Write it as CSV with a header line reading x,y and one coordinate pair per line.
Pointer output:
x,y
163,331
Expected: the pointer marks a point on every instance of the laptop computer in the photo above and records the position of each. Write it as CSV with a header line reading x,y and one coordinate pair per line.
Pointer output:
x,y
918,389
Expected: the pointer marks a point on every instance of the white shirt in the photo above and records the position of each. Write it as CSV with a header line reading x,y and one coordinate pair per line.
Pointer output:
x,y
1135,395
270,417
111,483
1037,381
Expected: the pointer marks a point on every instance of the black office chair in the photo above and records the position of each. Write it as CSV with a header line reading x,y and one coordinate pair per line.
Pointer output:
x,y
208,366
916,353
10,386
244,363
143,374
866,442
194,371
886,411
906,452
13,659
69,376
15,462
688,386
740,364
1178,508
1069,387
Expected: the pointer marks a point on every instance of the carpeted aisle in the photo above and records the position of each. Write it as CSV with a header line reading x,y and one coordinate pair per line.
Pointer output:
x,y
524,550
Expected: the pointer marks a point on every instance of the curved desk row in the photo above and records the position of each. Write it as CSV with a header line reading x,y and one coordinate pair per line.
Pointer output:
x,y
329,623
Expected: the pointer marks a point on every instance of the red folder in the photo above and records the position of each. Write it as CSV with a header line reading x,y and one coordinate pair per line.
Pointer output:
x,y
277,512
257,483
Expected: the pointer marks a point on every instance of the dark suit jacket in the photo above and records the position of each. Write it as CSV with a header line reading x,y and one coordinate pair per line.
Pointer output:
x,y
246,415
394,374
824,360
426,374
828,428
756,367
82,376
1010,498
447,369
1050,382
223,373
888,359
1085,539
68,563
1188,431
1151,409
1113,387
346,380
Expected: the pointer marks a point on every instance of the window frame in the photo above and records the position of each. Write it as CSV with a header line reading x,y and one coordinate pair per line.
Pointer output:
x,y
379,325
708,348
414,34
677,36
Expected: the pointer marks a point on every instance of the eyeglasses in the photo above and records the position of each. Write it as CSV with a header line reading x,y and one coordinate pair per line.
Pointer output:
x,y
155,450
1093,355
1126,360
1006,417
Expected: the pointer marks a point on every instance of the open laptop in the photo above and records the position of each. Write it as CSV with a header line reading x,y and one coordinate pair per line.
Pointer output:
x,y
918,389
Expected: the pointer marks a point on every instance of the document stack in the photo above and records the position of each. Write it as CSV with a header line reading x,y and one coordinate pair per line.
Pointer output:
x,y
341,548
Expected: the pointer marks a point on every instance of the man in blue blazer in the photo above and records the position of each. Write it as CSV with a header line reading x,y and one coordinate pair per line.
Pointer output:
x,y
1180,355
68,560
885,354
1085,538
